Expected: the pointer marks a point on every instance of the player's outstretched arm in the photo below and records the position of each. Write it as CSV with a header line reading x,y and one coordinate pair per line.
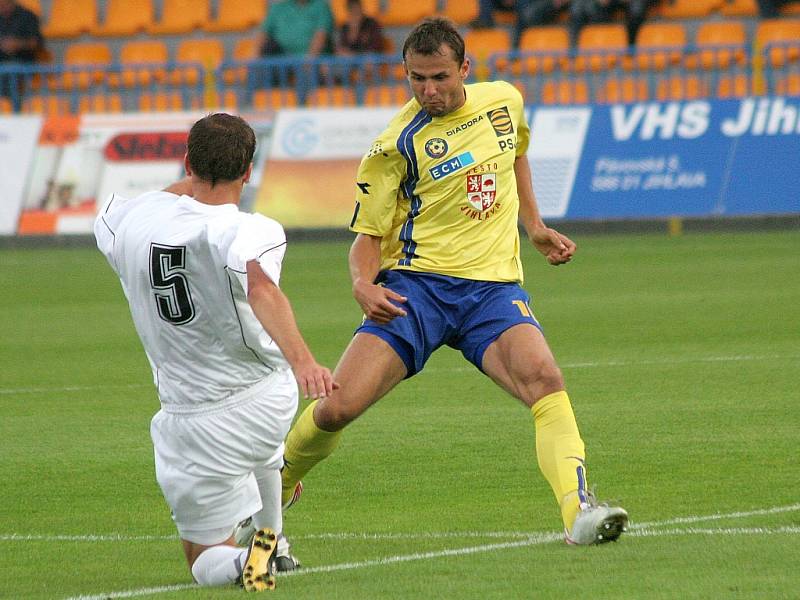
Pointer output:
x,y
377,302
272,308
556,247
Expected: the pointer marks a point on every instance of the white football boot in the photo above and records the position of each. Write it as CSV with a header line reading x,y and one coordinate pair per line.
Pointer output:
x,y
597,523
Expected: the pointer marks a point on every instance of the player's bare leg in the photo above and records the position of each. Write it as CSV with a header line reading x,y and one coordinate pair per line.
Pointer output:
x,y
368,369
520,361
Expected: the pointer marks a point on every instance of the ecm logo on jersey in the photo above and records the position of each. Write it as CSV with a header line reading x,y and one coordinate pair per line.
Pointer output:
x,y
451,166
501,121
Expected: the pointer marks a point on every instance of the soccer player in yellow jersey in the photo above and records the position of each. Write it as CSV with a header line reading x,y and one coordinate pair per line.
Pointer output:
x,y
436,261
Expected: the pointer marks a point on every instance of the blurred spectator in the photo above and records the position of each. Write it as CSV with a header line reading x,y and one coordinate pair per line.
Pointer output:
x,y
534,13
359,33
770,9
585,12
297,28
486,10
20,40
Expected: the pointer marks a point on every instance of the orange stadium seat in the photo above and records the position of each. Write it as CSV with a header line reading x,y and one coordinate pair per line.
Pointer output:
x,y
403,12
387,95
70,18
461,11
5,106
245,49
143,61
779,31
623,90
124,18
720,43
788,86
336,95
660,44
371,8
790,9
100,103
565,91
739,8
482,43
237,15
161,102
182,16
688,87
46,105
542,40
687,9
733,86
84,55
274,99
207,52
601,46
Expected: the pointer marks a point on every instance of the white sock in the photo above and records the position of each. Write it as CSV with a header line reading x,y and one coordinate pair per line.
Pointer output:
x,y
219,565
271,515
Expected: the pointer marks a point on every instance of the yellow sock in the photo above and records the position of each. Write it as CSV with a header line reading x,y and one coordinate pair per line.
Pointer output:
x,y
306,445
560,452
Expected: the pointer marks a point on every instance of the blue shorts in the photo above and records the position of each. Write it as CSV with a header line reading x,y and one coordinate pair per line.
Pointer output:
x,y
461,313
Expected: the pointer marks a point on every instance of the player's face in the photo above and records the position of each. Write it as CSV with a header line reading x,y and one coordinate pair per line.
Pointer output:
x,y
437,80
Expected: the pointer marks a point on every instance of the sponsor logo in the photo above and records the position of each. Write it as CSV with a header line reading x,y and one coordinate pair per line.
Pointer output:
x,y
481,191
451,166
147,146
464,126
501,121
377,148
436,147
364,187
300,138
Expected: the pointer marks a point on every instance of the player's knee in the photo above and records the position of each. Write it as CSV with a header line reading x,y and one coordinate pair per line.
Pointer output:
x,y
542,379
333,416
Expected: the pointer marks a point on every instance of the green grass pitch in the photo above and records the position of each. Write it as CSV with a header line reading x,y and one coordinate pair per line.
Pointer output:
x,y
681,356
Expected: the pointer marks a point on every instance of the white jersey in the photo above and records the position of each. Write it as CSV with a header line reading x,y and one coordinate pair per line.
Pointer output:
x,y
182,265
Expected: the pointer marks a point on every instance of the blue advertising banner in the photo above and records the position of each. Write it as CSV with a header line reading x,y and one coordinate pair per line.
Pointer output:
x,y
692,158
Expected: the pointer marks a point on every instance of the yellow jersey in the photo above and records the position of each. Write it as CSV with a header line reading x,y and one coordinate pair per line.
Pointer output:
x,y
441,193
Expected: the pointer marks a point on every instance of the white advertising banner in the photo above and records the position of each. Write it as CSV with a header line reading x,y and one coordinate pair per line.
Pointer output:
x,y
18,137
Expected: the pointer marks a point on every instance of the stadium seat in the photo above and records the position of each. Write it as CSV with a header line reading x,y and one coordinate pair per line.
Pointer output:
x,y
779,31
565,91
386,95
182,16
207,52
47,105
660,44
681,87
788,86
733,86
688,9
245,49
273,99
623,90
70,18
403,13
551,44
85,55
143,62
5,106
461,11
482,43
371,8
601,46
739,8
720,43
237,15
790,9
125,18
100,103
161,102
335,95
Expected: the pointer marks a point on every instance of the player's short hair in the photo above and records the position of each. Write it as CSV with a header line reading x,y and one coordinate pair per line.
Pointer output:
x,y
427,37
220,147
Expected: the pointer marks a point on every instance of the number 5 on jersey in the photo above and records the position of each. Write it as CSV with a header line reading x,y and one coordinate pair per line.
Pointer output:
x,y
171,290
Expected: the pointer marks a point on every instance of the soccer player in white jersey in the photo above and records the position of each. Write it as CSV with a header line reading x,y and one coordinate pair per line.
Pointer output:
x,y
201,279
436,262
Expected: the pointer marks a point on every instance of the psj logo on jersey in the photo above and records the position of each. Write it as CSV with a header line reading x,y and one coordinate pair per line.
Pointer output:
x,y
481,195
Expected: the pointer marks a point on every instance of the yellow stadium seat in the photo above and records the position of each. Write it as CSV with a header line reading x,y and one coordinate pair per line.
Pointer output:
x,y
70,18
143,61
688,9
660,44
273,99
779,31
182,16
402,12
601,46
542,40
125,18
85,55
739,8
238,15
371,8
720,43
207,52
461,11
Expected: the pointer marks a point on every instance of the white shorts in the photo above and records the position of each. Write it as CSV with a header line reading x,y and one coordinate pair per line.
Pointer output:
x,y
205,458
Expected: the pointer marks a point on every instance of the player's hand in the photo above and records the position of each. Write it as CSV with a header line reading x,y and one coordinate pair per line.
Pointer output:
x,y
378,302
315,381
556,247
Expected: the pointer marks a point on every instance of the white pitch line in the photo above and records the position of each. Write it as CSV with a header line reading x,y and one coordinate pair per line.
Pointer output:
x,y
573,365
534,540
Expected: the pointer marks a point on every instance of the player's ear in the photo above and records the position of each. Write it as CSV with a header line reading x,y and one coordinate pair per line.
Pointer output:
x,y
465,67
247,174
186,166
